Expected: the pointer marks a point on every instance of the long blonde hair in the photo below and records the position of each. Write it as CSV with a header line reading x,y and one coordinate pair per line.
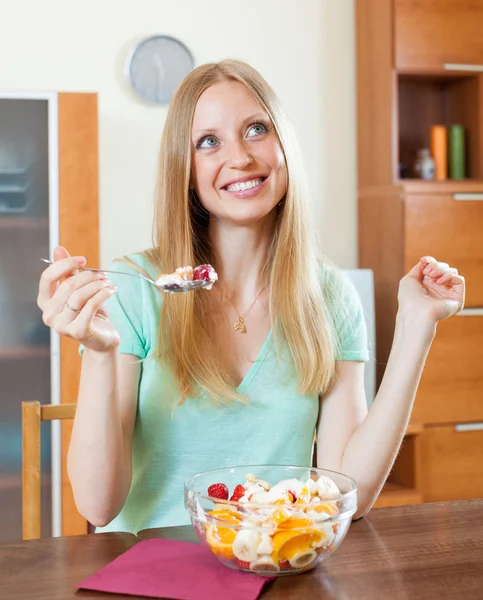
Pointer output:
x,y
299,309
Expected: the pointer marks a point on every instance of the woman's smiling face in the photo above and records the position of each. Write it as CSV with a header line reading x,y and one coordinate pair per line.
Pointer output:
x,y
239,169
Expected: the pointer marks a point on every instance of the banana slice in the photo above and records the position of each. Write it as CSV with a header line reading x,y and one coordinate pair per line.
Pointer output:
x,y
245,545
251,478
302,559
265,564
266,545
265,485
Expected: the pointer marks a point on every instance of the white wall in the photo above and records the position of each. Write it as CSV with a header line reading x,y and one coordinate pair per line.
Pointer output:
x,y
304,48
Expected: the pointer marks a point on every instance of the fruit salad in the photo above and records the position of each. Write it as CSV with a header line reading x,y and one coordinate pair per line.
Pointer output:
x,y
276,529
183,275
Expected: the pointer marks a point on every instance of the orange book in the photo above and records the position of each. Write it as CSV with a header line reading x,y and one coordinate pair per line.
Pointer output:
x,y
439,151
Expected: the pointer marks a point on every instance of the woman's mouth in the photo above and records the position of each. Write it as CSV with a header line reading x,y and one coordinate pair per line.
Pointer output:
x,y
244,189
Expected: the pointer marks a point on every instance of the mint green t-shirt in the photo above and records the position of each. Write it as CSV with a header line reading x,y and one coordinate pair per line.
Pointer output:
x,y
276,426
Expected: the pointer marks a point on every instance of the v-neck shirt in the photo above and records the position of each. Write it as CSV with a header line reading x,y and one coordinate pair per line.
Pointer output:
x,y
275,426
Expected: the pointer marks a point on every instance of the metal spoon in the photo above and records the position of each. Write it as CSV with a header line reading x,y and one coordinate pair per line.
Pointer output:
x,y
172,288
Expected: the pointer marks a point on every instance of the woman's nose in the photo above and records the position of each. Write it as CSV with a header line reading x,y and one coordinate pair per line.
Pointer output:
x,y
239,157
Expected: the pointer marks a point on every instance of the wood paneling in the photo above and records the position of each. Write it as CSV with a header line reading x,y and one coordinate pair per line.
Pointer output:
x,y
450,230
453,464
381,233
451,387
79,233
375,89
430,33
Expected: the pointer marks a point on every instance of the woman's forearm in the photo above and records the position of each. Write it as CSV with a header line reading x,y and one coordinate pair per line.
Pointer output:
x,y
373,447
99,468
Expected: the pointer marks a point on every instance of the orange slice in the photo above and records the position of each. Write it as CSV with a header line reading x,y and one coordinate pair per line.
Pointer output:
x,y
220,539
287,544
327,507
295,523
299,544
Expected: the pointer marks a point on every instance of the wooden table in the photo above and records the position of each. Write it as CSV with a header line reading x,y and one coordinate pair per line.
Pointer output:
x,y
49,569
403,553
431,551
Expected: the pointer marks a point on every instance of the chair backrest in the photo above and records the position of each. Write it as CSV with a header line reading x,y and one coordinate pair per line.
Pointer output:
x,y
363,281
33,413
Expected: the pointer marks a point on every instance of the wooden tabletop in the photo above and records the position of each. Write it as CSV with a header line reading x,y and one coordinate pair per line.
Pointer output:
x,y
411,552
49,569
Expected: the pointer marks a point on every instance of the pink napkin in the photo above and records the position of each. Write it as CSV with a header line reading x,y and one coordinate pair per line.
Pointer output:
x,y
160,568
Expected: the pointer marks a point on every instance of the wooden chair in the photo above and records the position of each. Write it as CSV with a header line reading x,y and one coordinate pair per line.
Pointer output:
x,y
33,413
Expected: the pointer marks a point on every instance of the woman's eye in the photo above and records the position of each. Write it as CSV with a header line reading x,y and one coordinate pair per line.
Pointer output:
x,y
257,129
208,142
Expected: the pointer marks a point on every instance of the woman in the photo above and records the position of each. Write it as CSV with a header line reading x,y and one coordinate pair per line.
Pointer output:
x,y
245,373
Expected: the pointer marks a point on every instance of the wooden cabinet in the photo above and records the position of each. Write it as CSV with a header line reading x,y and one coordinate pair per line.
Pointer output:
x,y
48,196
451,388
418,65
432,33
450,229
452,468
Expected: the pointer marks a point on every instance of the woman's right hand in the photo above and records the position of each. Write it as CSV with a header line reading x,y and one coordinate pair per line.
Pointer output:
x,y
72,302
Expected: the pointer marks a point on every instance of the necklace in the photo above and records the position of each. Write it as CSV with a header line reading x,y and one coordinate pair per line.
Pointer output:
x,y
240,324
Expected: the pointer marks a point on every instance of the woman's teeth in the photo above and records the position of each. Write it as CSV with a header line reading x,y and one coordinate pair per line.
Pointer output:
x,y
245,185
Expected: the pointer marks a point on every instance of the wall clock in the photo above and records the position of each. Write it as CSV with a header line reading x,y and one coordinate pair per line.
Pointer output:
x,y
156,66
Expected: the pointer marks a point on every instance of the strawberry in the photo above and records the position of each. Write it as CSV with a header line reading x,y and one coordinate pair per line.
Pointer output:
x,y
205,273
218,490
242,564
285,565
237,493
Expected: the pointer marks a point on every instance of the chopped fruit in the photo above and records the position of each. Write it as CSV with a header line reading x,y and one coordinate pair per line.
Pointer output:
x,y
295,523
218,490
267,529
266,545
220,539
183,276
186,273
205,273
238,492
265,485
264,564
287,544
302,559
325,507
245,545
226,514
279,517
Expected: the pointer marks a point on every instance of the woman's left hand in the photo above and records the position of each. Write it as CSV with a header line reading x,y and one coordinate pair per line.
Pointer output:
x,y
432,289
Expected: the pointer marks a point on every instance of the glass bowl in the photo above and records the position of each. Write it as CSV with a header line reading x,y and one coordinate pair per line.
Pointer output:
x,y
291,533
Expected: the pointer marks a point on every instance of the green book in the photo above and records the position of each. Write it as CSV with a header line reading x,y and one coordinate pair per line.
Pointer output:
x,y
457,157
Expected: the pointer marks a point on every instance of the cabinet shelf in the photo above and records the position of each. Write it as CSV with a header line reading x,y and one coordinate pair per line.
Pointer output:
x,y
393,494
445,99
24,352
23,222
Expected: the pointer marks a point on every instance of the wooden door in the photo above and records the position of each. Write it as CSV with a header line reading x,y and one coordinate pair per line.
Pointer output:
x,y
432,33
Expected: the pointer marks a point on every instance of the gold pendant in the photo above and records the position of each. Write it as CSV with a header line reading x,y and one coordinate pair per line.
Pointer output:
x,y
240,325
